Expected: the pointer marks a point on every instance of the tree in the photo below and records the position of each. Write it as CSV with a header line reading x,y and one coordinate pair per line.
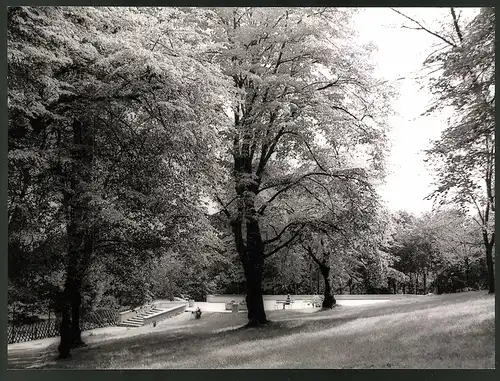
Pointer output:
x,y
439,247
321,255
465,154
302,91
105,141
340,227
414,246
457,251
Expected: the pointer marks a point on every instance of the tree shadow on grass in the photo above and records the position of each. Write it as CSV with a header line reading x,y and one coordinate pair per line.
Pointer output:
x,y
189,344
202,335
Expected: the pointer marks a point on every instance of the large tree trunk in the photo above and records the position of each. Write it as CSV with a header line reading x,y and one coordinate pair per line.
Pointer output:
x,y
65,331
328,301
70,325
253,264
251,252
489,261
76,299
73,283
76,332
491,273
74,243
79,234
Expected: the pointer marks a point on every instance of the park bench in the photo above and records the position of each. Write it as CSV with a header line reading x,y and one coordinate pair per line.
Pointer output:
x,y
242,306
284,302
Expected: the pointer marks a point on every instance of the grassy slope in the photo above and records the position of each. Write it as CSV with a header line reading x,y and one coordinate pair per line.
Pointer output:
x,y
449,331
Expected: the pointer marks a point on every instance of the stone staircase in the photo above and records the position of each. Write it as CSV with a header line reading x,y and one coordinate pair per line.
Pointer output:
x,y
138,320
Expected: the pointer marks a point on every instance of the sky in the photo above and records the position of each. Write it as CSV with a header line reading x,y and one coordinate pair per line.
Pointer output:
x,y
400,53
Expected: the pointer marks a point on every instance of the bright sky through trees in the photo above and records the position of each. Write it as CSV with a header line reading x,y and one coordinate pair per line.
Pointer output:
x,y
400,54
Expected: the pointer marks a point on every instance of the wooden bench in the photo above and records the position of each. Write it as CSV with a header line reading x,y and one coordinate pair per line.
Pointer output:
x,y
284,302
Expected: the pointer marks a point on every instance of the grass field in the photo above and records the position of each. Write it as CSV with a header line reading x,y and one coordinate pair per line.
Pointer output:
x,y
448,331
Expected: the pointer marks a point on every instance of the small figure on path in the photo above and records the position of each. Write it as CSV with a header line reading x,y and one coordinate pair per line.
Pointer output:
x,y
287,302
197,313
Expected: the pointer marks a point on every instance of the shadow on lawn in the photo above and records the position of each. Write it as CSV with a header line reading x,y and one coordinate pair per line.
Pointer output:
x,y
196,337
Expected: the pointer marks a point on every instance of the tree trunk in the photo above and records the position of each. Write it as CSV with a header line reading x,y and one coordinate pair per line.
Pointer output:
x,y
65,332
76,300
328,301
253,264
317,279
425,281
416,283
310,279
255,303
79,234
66,303
76,332
466,260
489,262
251,252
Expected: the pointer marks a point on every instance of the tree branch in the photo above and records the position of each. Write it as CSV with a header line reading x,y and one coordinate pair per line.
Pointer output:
x,y
309,251
326,86
455,24
297,232
278,235
224,207
273,145
338,175
421,27
309,149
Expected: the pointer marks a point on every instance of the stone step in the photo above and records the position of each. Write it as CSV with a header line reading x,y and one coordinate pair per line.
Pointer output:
x,y
136,320
130,324
146,313
153,312
147,316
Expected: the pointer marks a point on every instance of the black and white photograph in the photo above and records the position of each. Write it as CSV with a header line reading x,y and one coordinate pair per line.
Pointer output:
x,y
250,187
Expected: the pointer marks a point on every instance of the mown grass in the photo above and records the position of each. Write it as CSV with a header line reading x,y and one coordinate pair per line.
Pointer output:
x,y
449,331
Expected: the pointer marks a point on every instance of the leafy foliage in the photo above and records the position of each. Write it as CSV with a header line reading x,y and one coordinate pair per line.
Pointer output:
x,y
151,133
465,154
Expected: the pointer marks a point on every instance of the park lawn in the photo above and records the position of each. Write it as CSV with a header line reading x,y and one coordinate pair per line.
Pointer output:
x,y
447,331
